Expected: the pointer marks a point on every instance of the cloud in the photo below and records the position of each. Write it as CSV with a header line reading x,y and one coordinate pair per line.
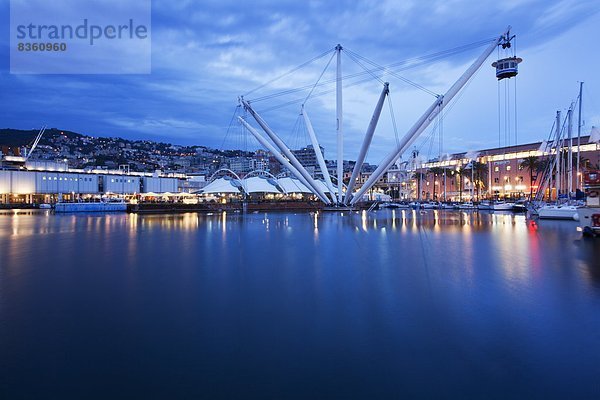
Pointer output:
x,y
207,54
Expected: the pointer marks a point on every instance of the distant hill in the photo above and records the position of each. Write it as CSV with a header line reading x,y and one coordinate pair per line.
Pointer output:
x,y
17,137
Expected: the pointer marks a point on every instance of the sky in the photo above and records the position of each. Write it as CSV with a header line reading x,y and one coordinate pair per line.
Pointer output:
x,y
205,54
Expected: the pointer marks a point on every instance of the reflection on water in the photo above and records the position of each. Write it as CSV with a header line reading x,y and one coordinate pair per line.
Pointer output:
x,y
298,305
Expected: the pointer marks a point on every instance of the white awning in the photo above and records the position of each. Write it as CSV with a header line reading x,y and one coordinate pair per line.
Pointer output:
x,y
222,185
290,185
259,184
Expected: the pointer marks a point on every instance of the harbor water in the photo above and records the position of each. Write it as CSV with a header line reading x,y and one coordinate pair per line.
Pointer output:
x,y
386,304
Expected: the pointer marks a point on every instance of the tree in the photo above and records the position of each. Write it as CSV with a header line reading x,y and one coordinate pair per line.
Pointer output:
x,y
479,173
436,171
531,163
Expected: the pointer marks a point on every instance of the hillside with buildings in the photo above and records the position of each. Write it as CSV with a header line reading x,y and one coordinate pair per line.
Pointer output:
x,y
150,166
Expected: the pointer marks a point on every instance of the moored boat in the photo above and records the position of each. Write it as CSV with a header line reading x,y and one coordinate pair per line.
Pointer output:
x,y
520,206
106,205
503,206
589,216
485,205
564,211
467,205
430,205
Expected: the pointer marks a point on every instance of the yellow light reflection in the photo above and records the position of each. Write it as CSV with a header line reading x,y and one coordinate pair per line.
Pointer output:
x,y
363,218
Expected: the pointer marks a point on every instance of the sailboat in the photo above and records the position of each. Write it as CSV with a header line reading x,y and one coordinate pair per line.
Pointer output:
x,y
559,211
503,206
565,208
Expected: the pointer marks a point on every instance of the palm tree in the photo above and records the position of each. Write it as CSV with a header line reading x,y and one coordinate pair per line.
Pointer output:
x,y
532,163
435,171
479,172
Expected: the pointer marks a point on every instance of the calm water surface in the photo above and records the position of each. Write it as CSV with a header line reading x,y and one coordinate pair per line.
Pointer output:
x,y
388,304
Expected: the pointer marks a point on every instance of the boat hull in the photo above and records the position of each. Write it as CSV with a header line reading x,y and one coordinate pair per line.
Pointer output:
x,y
503,207
589,219
559,212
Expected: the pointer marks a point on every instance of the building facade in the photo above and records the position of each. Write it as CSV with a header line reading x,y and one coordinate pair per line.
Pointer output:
x,y
44,186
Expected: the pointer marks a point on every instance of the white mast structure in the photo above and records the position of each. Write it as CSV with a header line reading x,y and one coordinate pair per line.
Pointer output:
x,y
315,188
276,153
426,118
340,133
366,142
318,154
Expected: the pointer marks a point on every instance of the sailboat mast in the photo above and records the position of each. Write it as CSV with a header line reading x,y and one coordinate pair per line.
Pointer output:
x,y
579,134
340,135
569,169
558,151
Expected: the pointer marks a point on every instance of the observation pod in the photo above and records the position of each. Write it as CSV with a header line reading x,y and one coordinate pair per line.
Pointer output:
x,y
507,67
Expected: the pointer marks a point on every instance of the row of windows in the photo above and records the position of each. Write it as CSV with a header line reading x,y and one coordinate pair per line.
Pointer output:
x,y
121,180
508,168
50,178
506,179
505,65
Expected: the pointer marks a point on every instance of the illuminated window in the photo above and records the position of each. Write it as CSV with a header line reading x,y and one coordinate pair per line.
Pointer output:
x,y
496,169
508,167
43,178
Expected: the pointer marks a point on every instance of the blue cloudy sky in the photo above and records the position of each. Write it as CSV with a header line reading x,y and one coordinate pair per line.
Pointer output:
x,y
207,53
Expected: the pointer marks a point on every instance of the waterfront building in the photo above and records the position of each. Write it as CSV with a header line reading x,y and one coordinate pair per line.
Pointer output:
x,y
45,184
499,173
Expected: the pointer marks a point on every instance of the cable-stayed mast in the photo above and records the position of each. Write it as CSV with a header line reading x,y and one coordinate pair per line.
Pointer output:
x,y
426,118
366,142
318,154
339,130
316,189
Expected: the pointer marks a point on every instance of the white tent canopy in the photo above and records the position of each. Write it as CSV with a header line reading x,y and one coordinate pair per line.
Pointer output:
x,y
290,185
222,185
259,184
